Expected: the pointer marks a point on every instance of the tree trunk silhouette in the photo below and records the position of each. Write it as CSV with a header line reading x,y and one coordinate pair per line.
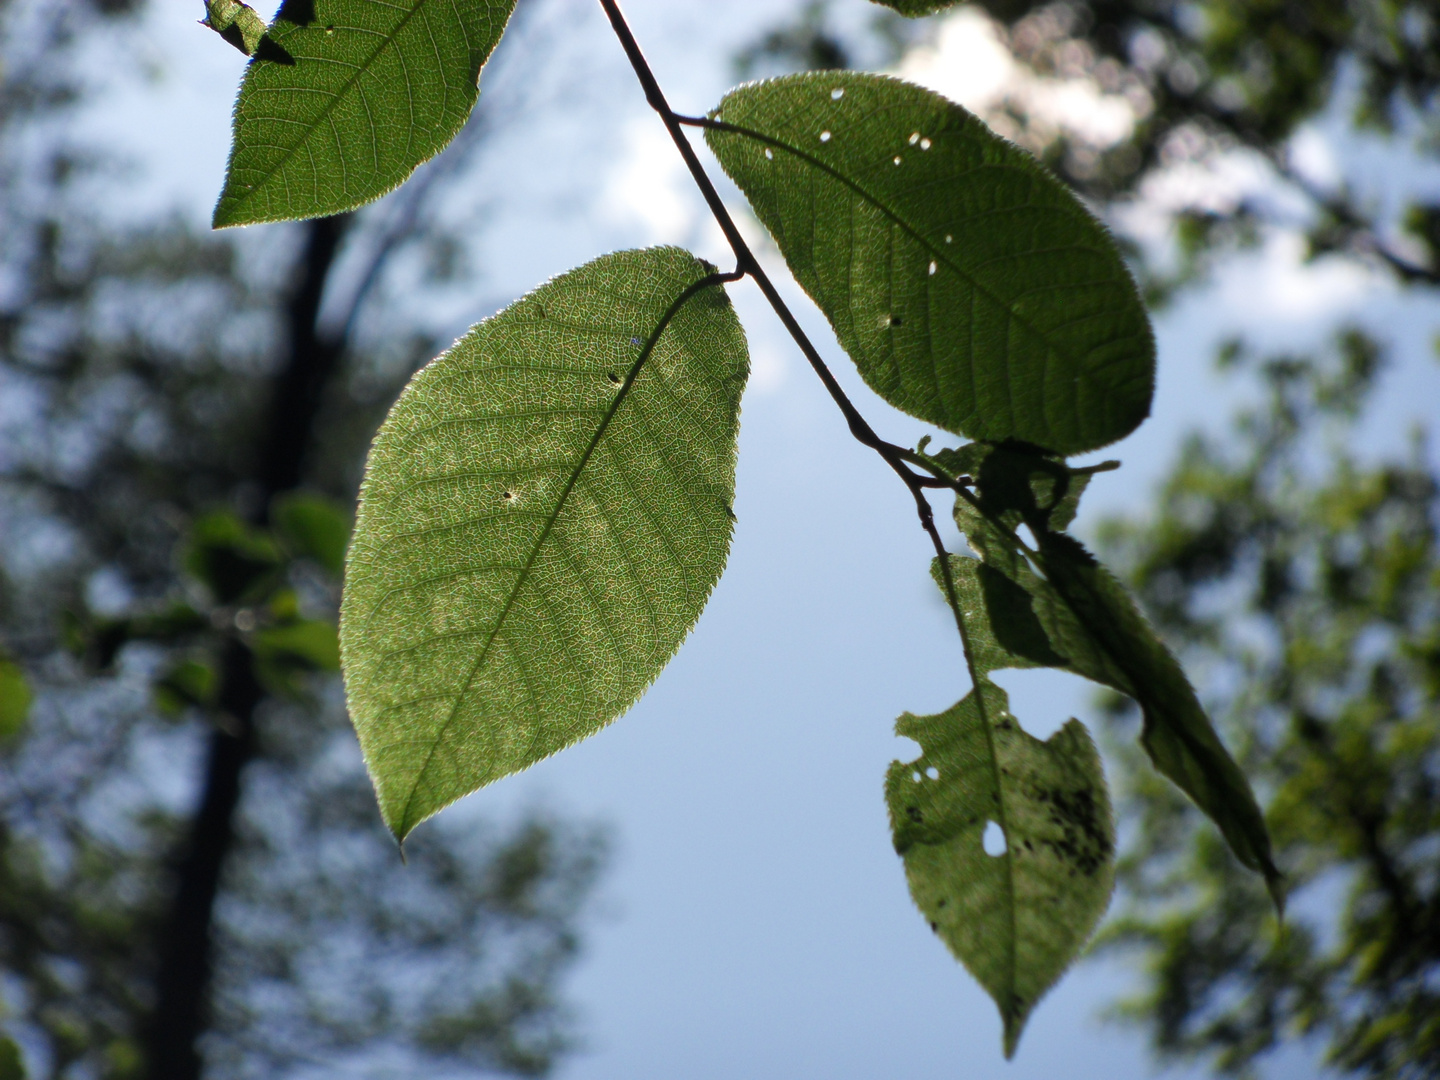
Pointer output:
x,y
183,978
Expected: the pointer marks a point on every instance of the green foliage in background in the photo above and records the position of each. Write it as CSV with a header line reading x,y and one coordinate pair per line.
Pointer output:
x,y
547,507
1333,564
157,603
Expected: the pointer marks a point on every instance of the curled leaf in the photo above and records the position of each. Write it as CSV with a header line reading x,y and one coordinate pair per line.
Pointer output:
x,y
237,23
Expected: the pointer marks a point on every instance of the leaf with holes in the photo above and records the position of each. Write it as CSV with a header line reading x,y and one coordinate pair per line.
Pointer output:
x,y
1079,618
543,516
345,97
1015,919
970,287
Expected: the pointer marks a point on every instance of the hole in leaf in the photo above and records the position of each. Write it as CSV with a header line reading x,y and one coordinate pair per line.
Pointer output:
x,y
824,136
897,159
769,154
994,840
914,137
634,341
933,267
1023,531
949,239
837,93
933,773
916,776
925,144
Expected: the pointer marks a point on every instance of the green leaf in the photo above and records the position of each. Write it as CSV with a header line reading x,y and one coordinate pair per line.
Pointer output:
x,y
237,23
287,653
1017,919
970,287
191,683
234,560
1081,615
1177,734
15,699
313,527
543,516
311,643
345,97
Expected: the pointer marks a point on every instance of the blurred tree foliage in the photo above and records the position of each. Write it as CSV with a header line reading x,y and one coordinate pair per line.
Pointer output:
x,y
192,870
1303,579
1304,584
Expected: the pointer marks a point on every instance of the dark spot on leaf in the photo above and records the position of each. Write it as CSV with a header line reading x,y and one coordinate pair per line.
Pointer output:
x,y
895,320
276,54
613,377
299,12
508,495
935,927
914,814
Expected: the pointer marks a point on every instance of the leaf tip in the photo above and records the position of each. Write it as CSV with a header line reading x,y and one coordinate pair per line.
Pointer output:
x,y
1014,1025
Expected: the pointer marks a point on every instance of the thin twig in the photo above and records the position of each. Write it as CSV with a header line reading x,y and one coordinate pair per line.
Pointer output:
x,y
894,456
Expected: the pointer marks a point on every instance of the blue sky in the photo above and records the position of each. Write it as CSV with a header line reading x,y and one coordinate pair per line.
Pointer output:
x,y
755,921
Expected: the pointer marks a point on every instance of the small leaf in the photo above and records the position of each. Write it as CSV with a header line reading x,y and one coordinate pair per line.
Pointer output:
x,y
191,683
313,527
15,699
1015,919
971,288
311,643
543,516
237,23
349,98
234,560
286,654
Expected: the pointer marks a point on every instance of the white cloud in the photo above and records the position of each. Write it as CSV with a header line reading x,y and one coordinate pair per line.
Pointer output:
x,y
649,185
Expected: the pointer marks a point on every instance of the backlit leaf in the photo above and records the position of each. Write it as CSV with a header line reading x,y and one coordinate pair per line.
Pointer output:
x,y
970,287
237,23
1015,919
1177,734
543,516
345,97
